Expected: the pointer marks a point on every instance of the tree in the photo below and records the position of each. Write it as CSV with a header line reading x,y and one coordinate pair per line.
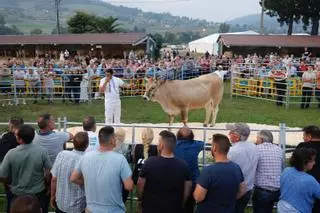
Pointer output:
x,y
170,38
83,22
36,32
158,38
63,30
310,10
224,28
287,11
2,20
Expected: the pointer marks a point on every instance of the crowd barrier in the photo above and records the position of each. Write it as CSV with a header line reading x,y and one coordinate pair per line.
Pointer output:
x,y
204,158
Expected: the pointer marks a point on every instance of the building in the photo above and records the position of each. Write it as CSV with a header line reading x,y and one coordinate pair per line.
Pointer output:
x,y
265,44
107,45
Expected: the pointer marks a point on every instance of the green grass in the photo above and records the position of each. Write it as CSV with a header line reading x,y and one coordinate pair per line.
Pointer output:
x,y
135,110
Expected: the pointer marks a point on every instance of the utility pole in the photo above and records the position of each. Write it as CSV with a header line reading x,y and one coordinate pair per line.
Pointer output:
x,y
57,3
262,17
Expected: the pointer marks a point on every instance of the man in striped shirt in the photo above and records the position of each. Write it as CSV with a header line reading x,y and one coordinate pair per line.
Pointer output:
x,y
267,179
67,196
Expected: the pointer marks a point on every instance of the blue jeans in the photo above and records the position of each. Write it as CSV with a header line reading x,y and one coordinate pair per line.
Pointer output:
x,y
264,200
243,202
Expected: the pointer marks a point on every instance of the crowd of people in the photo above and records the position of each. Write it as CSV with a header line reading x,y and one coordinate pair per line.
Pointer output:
x,y
96,175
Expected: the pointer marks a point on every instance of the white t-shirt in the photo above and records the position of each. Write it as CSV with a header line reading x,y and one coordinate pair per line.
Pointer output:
x,y
93,141
112,91
308,75
19,74
220,73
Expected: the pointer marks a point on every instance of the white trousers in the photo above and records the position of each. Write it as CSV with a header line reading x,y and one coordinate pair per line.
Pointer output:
x,y
112,111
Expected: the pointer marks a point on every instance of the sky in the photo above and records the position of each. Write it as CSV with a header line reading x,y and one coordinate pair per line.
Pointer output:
x,y
211,10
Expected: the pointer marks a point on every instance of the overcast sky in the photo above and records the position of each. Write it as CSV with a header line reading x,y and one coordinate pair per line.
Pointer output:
x,y
212,10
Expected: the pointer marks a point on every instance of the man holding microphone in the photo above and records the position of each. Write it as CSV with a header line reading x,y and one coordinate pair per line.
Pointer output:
x,y
110,86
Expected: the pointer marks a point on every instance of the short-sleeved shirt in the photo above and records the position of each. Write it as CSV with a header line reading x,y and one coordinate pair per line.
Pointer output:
x,y
104,173
245,155
299,189
25,165
8,141
93,141
188,150
52,141
21,75
112,90
70,197
222,181
164,187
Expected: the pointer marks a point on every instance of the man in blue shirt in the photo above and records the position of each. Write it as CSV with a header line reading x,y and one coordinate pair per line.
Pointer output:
x,y
220,184
188,149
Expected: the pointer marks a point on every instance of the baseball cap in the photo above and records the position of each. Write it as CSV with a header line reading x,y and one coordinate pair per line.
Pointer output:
x,y
241,128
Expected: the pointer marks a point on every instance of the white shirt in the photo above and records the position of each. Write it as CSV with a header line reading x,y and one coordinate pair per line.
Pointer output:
x,y
245,155
33,78
93,141
19,74
220,73
308,75
112,90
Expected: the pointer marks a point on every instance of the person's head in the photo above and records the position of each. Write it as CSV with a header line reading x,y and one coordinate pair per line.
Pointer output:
x,y
264,136
15,123
147,136
238,132
109,73
220,145
120,136
167,142
303,159
81,141
107,137
185,133
25,204
46,122
89,124
310,133
25,134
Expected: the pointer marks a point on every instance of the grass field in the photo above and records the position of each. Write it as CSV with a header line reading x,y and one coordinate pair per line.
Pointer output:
x,y
135,110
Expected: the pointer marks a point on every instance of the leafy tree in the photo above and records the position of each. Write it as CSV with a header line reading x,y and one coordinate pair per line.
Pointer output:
x,y
36,32
158,38
83,22
224,28
170,38
2,20
310,10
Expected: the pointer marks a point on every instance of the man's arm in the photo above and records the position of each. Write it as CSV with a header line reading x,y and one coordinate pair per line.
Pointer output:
x,y
199,193
128,184
140,187
53,192
103,85
242,190
187,191
77,178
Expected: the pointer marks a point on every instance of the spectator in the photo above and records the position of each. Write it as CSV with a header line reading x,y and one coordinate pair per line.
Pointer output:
x,y
53,142
280,77
311,136
188,149
317,92
112,170
26,204
267,181
308,79
18,76
245,155
164,184
30,162
89,125
34,80
121,146
143,151
66,196
299,189
220,184
8,141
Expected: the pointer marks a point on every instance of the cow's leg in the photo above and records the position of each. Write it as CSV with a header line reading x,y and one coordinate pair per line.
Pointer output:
x,y
171,119
208,108
215,110
184,116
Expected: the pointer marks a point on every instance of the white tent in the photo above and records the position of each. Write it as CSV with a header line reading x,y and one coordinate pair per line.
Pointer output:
x,y
209,43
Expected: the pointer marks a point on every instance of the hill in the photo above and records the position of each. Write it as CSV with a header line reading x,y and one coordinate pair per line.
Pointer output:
x,y
252,22
27,15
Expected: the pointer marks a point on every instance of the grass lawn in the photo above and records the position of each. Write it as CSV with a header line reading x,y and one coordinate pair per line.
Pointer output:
x,y
135,110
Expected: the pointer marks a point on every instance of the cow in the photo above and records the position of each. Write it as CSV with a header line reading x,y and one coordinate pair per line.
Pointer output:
x,y
179,96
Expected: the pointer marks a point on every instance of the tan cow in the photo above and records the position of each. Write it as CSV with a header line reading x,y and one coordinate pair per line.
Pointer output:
x,y
180,96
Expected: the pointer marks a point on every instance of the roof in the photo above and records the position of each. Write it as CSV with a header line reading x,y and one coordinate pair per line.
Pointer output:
x,y
270,40
103,38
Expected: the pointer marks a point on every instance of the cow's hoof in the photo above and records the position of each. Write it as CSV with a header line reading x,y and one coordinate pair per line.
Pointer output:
x,y
212,125
205,125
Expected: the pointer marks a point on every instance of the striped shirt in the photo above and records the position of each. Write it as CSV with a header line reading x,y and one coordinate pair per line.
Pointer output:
x,y
270,165
69,196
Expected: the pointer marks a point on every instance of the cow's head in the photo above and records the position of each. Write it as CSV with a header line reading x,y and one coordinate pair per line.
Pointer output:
x,y
151,88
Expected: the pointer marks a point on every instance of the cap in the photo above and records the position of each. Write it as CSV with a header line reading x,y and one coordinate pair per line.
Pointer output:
x,y
241,128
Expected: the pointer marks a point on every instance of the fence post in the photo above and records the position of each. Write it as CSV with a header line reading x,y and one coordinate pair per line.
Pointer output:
x,y
65,121
132,147
59,124
282,140
15,99
231,81
204,147
287,95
